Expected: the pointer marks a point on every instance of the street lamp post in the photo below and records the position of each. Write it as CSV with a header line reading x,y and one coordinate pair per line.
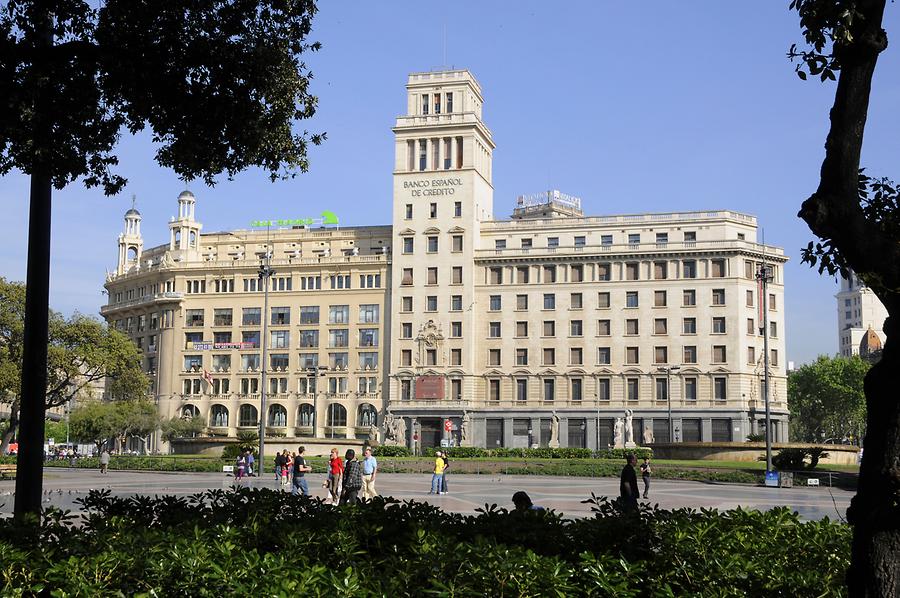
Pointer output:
x,y
668,370
764,276
265,273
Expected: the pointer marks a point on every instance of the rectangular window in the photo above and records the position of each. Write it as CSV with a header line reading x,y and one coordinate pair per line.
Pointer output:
x,y
250,339
522,329
606,239
662,389
632,271
576,301
660,326
431,303
603,300
432,244
631,327
689,298
251,316
603,356
339,314
368,337
193,317
457,207
718,296
456,275
576,273
751,355
455,329
526,243
456,357
717,268
281,316
580,241
549,328
634,238
577,389
494,329
406,357
718,325
279,362
494,394
689,326
193,363
773,329
279,339
495,303
522,274
660,270
749,298
773,357
432,276
309,338
604,272
659,298
576,356
751,326
660,354
690,354
549,274
632,386
552,242
408,244
455,302
718,354
406,304
603,389
500,244
521,302
632,355
604,328
549,389
549,301
406,330
720,389
369,313
309,314
521,389
521,356
407,278
772,305
310,283
409,211
575,328
749,270
631,299
423,152
456,243
338,338
689,269
495,276
689,388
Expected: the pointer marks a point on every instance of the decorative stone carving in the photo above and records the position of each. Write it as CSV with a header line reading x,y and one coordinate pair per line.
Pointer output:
x,y
618,437
629,429
648,435
464,429
554,430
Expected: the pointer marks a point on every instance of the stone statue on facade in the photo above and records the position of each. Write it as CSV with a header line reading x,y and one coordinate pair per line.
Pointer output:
x,y
648,435
373,434
554,430
618,437
388,429
400,431
629,429
464,429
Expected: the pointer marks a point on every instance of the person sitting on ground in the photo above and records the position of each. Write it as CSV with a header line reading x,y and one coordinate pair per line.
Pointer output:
x,y
523,502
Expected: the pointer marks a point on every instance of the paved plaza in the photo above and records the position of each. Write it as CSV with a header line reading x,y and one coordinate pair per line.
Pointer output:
x,y
467,492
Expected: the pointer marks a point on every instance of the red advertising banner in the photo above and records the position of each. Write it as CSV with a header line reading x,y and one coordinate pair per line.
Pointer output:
x,y
430,387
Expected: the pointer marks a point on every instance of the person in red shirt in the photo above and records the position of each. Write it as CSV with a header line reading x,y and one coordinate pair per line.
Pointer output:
x,y
335,473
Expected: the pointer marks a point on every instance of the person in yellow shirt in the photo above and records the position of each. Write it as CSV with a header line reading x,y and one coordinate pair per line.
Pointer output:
x,y
438,476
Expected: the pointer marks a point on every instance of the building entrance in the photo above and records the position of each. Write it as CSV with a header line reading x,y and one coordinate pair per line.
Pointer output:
x,y
431,432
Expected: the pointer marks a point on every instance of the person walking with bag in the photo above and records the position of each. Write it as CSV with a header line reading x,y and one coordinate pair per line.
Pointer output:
x,y
437,476
352,478
335,473
446,467
369,469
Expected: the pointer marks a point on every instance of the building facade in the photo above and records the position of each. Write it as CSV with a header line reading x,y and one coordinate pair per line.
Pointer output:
x,y
536,329
860,316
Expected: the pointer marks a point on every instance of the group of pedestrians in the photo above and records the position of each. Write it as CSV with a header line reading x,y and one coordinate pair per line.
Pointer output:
x,y
243,465
439,476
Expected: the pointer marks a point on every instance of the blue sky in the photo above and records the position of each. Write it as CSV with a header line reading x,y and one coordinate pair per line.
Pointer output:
x,y
634,107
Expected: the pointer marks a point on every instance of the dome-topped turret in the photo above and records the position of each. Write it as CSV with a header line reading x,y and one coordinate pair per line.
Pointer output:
x,y
185,195
132,212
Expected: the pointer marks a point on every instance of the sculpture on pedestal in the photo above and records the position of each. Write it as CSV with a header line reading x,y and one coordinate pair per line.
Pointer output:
x,y
648,435
618,437
464,429
554,430
629,430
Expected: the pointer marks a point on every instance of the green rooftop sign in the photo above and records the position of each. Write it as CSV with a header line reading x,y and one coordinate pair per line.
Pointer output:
x,y
325,218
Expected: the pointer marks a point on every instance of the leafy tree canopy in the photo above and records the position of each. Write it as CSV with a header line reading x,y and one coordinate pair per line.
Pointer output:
x,y
219,83
182,427
98,421
827,400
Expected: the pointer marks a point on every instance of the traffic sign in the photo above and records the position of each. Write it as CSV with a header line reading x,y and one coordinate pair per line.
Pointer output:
x,y
448,425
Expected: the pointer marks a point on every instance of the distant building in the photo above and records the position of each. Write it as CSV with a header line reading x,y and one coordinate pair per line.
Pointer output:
x,y
860,319
538,329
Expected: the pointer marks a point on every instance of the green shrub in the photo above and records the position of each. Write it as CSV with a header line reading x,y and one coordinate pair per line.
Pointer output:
x,y
391,451
756,437
619,454
795,459
261,542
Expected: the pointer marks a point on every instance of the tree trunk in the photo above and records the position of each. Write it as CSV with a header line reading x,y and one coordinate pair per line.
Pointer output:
x,y
873,512
30,461
13,426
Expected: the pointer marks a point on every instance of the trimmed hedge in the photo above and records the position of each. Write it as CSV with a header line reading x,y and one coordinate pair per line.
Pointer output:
x,y
391,451
270,543
469,452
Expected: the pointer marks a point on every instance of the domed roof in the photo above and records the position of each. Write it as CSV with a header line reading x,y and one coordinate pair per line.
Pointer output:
x,y
185,195
870,343
132,212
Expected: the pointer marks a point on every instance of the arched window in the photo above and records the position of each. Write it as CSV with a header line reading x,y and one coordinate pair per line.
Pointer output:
x,y
277,416
219,416
366,415
189,412
306,414
337,415
132,254
247,416
193,239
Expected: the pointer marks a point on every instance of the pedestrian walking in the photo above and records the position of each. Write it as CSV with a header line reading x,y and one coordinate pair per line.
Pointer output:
x,y
335,474
240,465
250,461
446,459
286,468
437,475
370,468
300,468
628,487
279,466
104,461
352,481
645,476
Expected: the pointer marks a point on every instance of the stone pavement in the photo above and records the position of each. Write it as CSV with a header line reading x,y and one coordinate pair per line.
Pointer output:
x,y
467,492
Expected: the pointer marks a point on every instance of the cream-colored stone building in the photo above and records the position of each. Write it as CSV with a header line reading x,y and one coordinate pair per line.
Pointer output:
x,y
534,329
861,316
